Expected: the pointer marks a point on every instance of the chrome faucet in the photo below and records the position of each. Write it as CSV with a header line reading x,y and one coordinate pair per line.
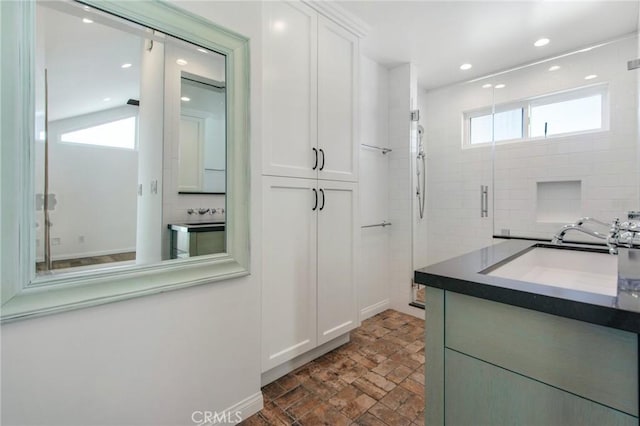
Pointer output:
x,y
559,237
584,220
612,238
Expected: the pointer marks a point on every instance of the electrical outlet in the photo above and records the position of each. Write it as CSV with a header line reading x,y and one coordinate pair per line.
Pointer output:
x,y
55,241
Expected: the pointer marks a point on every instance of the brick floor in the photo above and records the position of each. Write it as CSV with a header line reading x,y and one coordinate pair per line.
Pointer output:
x,y
375,379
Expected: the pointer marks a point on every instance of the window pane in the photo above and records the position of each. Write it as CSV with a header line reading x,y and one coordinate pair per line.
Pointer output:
x,y
507,124
481,129
116,134
575,115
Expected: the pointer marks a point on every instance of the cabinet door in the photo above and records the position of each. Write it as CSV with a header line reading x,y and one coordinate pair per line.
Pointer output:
x,y
337,101
337,226
479,393
191,150
289,269
290,90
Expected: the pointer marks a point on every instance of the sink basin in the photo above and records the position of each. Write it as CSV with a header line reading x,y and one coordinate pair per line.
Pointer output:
x,y
590,271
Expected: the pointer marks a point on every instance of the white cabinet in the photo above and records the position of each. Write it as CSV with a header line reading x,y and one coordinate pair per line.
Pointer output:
x,y
290,89
337,100
308,289
289,269
337,218
310,95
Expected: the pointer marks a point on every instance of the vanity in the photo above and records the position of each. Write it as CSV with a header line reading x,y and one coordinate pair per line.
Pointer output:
x,y
530,333
196,239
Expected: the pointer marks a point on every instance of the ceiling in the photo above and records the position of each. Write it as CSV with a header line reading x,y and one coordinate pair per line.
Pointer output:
x,y
439,36
84,60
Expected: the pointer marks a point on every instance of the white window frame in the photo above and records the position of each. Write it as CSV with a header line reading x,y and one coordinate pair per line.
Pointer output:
x,y
26,296
527,104
488,111
573,94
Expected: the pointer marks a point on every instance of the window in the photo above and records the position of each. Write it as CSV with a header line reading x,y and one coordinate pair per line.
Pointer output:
x,y
556,117
114,134
575,111
506,125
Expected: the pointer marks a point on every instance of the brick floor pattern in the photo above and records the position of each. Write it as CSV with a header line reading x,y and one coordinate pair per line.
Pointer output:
x,y
376,379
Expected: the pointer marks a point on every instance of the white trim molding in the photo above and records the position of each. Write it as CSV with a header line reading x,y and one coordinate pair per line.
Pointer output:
x,y
340,16
374,309
247,407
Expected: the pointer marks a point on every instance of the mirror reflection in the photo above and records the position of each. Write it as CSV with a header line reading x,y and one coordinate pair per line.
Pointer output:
x,y
109,158
202,135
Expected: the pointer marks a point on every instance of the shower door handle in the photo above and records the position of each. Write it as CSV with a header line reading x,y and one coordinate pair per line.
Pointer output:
x,y
484,201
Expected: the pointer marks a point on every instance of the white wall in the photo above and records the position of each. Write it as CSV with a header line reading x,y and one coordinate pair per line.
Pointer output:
x,y
605,163
153,360
373,281
88,192
402,99
454,176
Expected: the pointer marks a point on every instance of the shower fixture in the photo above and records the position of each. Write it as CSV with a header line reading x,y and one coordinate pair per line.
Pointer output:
x,y
421,171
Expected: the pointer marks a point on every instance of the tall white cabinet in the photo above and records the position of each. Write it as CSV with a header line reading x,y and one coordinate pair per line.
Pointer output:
x,y
310,95
310,190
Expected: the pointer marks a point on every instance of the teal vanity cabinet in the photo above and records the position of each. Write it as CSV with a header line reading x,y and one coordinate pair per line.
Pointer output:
x,y
196,239
507,352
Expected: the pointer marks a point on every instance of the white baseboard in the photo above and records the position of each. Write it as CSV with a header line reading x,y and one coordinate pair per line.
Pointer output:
x,y
287,367
374,309
247,407
410,310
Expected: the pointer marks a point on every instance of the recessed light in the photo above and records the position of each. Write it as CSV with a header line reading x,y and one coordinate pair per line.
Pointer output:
x,y
279,26
87,21
125,66
185,99
465,67
106,99
486,86
541,42
500,86
200,49
554,67
181,62
591,77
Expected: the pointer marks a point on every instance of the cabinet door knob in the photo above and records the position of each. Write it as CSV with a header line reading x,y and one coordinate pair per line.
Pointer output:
x,y
315,165
322,152
315,193
322,206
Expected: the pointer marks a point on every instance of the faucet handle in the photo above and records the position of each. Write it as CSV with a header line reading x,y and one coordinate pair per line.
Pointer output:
x,y
615,225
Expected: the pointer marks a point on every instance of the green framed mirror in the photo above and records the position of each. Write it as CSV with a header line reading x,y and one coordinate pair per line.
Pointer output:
x,y
27,293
